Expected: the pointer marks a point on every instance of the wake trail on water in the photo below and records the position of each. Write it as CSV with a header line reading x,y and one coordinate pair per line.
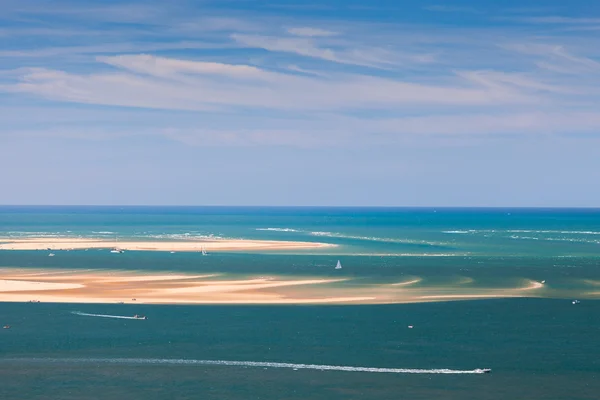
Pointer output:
x,y
162,361
102,315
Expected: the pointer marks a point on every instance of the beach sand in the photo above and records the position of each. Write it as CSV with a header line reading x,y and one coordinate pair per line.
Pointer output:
x,y
7,243
110,286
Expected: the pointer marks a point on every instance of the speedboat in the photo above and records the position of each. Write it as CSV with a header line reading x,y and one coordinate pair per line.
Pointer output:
x,y
486,370
139,316
6,327
576,302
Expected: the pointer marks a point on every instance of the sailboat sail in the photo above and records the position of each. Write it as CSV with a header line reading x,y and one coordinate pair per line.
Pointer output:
x,y
203,251
339,265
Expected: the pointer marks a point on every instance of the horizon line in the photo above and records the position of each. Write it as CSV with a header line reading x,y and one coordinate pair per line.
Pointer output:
x,y
303,206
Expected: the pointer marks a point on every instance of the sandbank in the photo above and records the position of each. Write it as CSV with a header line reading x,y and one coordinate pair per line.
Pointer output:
x,y
141,287
53,244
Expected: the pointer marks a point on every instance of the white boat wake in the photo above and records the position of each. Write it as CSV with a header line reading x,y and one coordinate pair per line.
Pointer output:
x,y
162,361
103,315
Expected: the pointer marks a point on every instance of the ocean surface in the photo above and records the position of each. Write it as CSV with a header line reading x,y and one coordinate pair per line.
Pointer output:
x,y
539,347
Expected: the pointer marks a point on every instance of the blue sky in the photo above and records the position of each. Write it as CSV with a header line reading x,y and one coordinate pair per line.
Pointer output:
x,y
241,102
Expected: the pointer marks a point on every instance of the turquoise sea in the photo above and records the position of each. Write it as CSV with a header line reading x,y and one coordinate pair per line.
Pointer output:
x,y
541,346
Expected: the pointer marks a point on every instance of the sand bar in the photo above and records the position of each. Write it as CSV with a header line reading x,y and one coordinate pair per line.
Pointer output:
x,y
142,287
7,243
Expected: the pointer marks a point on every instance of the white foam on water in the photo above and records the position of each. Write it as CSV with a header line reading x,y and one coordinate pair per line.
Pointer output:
x,y
524,231
278,229
183,236
377,239
102,315
318,367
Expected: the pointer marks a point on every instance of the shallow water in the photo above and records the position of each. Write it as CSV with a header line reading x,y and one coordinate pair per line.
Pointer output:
x,y
538,348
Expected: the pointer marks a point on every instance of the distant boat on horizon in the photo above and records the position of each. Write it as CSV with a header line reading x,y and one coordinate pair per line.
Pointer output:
x,y
204,251
339,265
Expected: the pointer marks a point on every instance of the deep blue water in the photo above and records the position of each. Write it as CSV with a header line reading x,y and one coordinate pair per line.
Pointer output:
x,y
538,348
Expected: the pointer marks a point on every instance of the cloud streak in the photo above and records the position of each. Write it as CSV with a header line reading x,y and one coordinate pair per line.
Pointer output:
x,y
311,32
334,79
159,82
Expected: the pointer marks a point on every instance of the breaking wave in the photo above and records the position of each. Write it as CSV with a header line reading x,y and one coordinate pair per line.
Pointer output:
x,y
184,236
562,232
278,229
376,239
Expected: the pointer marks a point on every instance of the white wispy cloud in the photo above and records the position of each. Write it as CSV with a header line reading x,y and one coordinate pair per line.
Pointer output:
x,y
554,52
308,31
160,82
553,19
353,82
368,56
112,48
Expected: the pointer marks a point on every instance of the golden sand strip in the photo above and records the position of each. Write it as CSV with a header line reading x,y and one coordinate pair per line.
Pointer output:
x,y
106,286
407,283
101,286
7,243
28,286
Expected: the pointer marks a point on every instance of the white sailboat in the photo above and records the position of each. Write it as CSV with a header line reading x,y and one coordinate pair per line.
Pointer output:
x,y
204,251
339,265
